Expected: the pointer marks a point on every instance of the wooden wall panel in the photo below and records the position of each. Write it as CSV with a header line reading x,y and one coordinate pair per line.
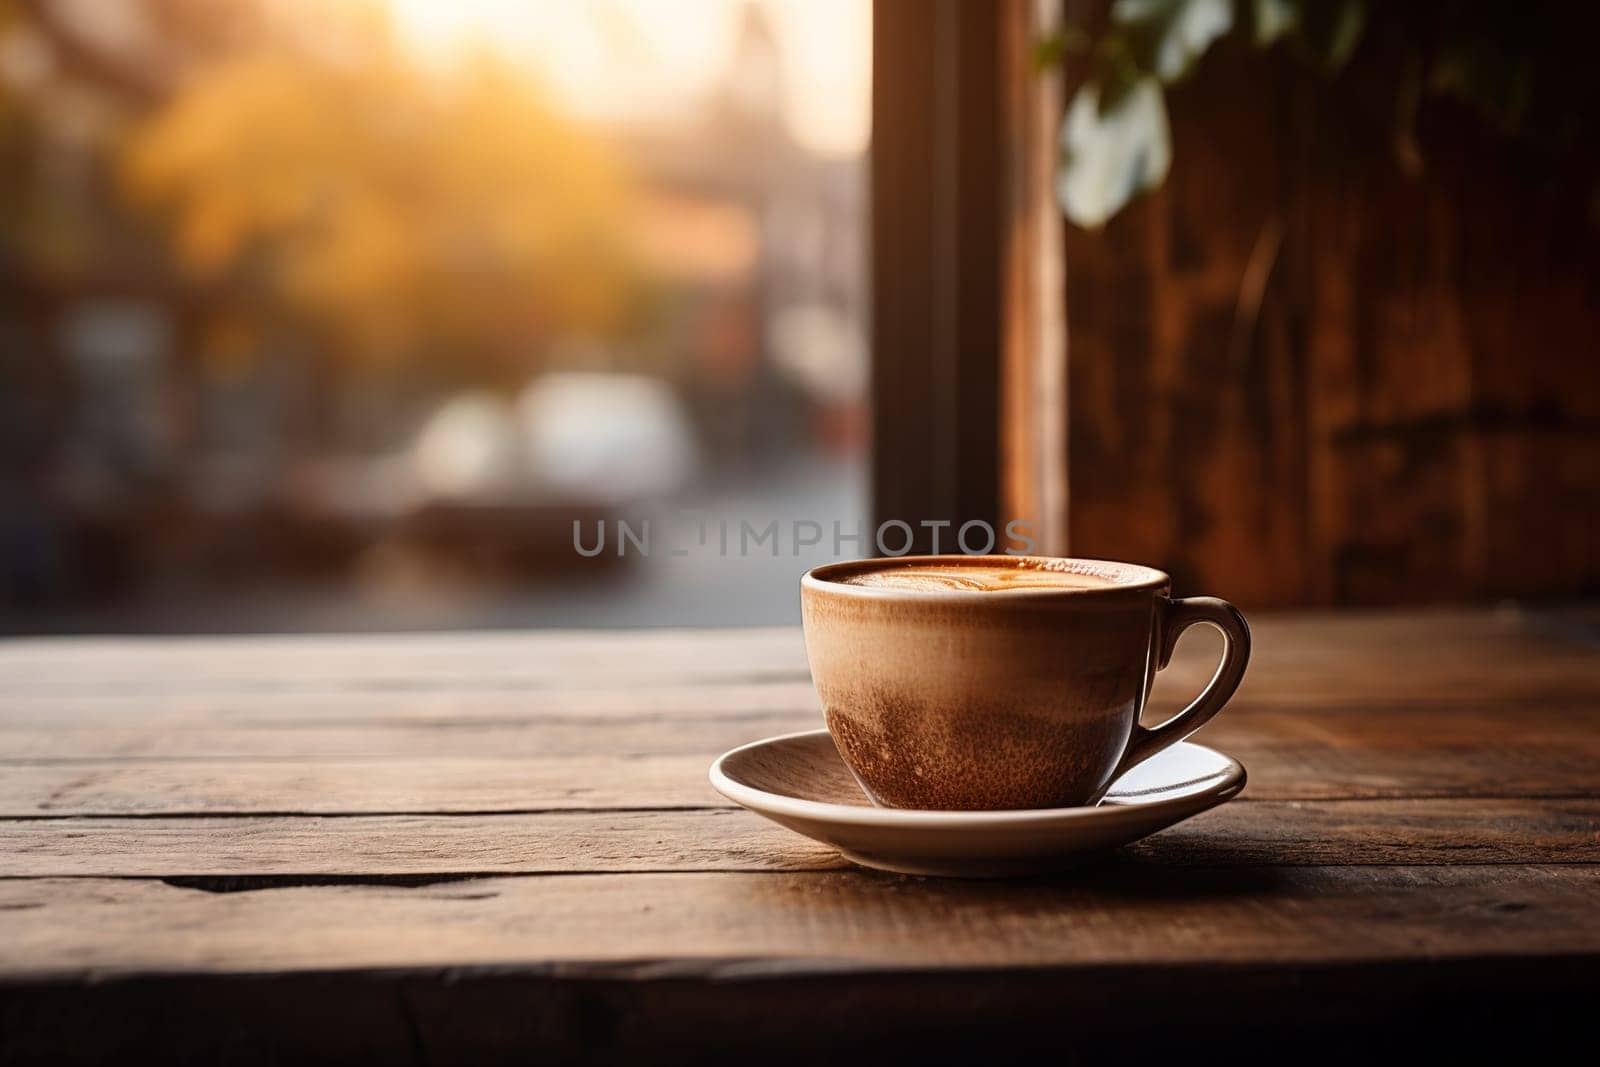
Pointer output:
x,y
1298,375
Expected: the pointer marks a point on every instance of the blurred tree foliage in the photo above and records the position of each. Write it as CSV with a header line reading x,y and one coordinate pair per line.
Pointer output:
x,y
410,215
1527,68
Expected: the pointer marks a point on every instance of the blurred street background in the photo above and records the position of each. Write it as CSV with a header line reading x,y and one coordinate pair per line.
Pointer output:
x,y
328,316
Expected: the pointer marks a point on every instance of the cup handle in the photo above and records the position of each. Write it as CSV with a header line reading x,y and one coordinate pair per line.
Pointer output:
x,y
1177,617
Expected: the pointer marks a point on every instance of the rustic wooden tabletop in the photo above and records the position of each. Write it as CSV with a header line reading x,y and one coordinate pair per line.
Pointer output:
x,y
480,847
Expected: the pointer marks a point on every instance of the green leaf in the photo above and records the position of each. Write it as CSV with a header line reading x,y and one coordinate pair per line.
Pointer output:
x,y
1166,37
1273,19
1050,50
1118,76
1110,156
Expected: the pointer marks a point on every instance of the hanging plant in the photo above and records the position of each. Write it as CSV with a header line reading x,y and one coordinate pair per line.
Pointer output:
x,y
1524,67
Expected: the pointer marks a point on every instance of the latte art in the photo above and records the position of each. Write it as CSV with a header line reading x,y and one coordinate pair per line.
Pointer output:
x,y
930,578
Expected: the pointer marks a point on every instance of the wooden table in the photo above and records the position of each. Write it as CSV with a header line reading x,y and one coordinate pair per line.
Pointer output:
x,y
503,847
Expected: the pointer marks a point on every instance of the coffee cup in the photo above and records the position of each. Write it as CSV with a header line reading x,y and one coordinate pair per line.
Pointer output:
x,y
1001,682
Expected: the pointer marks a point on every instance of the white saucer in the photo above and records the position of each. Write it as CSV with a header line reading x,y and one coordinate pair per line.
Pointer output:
x,y
799,781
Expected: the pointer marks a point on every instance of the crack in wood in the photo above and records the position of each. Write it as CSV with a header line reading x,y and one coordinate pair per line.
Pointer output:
x,y
253,883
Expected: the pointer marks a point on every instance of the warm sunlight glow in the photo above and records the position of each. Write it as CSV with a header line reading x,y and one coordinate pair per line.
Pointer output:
x,y
624,59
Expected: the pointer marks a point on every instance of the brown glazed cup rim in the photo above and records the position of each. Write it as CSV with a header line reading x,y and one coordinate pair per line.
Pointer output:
x,y
1124,578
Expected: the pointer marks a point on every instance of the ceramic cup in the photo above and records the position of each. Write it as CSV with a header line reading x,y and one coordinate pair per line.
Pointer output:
x,y
977,692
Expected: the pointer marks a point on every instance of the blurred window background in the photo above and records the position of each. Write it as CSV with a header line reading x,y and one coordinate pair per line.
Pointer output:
x,y
338,315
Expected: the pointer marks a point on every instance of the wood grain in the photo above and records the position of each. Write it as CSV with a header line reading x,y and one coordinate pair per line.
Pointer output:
x,y
1262,833
1425,714
1543,725
731,924
478,786
333,787
1300,376
152,707
1294,753
529,816
1435,657
458,662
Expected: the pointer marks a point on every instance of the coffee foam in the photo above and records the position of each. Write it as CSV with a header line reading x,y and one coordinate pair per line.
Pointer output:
x,y
974,578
